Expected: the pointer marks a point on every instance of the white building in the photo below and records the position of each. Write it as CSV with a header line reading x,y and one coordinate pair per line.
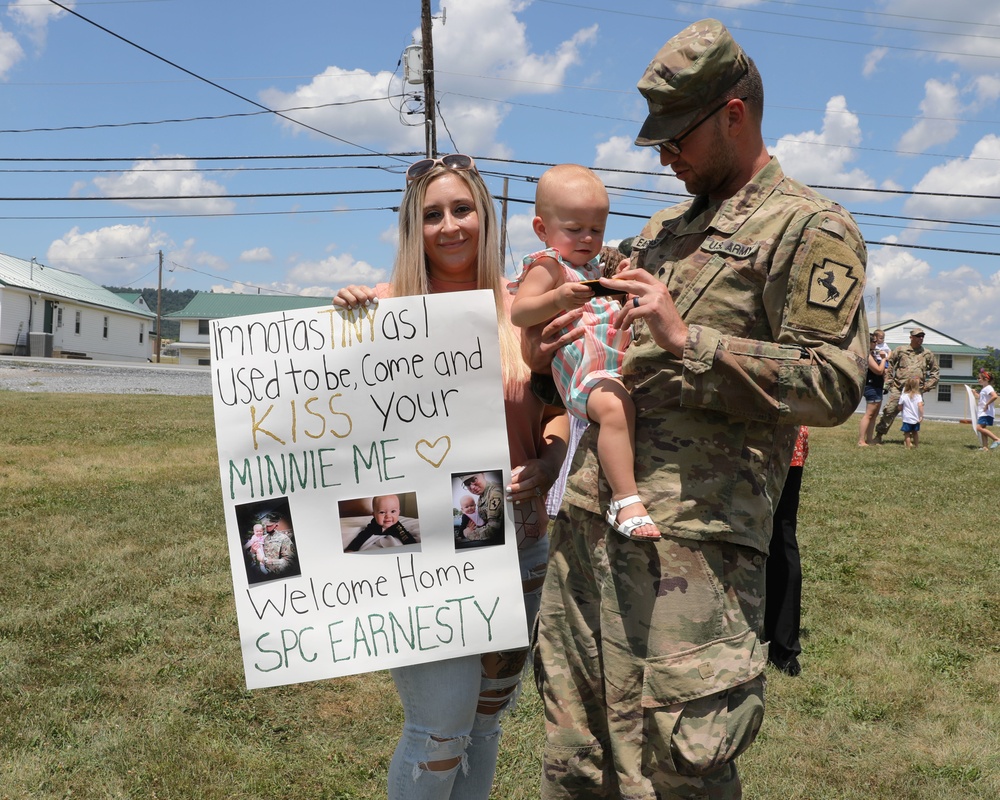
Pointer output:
x,y
46,312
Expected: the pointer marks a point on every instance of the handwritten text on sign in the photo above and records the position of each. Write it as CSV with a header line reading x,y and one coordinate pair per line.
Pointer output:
x,y
346,440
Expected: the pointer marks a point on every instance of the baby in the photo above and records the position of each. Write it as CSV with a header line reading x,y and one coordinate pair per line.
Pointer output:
x,y
571,207
385,522
469,519
255,546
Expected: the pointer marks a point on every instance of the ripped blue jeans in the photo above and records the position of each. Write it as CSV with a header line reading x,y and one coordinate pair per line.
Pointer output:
x,y
451,734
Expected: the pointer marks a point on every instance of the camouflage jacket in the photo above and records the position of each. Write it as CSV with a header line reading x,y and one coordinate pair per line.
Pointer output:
x,y
905,362
770,283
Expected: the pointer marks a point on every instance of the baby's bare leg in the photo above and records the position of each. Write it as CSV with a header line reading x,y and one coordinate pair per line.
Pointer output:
x,y
610,406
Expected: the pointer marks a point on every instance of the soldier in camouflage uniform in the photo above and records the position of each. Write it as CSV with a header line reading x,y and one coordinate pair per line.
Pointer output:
x,y
749,323
489,506
905,362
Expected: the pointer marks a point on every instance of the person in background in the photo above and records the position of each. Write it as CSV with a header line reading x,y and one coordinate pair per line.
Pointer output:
x,y
880,345
449,242
783,605
749,323
986,396
906,361
911,405
874,387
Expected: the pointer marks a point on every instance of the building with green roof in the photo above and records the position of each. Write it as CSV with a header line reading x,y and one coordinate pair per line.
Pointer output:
x,y
192,345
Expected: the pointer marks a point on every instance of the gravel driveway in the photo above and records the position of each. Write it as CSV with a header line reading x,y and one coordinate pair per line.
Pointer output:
x,y
100,377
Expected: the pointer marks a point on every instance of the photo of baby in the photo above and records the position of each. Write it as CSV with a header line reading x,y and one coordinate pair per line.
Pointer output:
x,y
392,521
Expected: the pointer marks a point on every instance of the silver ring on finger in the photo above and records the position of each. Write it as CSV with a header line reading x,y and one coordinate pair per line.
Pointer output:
x,y
538,491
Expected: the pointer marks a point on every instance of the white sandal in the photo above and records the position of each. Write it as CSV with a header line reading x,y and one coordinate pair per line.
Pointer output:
x,y
626,526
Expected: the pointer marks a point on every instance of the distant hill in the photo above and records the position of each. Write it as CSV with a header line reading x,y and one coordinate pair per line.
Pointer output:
x,y
170,300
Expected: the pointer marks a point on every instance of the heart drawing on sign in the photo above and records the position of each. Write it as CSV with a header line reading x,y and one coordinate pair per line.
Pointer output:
x,y
429,452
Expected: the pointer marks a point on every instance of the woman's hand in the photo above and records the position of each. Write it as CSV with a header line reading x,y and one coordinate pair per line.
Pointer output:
x,y
354,296
540,342
650,301
532,479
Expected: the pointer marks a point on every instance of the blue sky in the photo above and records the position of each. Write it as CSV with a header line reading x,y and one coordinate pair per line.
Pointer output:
x,y
885,96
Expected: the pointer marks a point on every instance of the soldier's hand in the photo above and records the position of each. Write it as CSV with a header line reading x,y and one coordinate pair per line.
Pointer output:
x,y
650,301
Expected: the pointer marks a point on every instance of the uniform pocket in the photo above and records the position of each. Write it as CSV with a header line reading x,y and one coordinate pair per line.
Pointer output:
x,y
705,706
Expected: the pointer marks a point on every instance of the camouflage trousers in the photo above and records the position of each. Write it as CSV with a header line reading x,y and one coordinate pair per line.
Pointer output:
x,y
648,663
890,410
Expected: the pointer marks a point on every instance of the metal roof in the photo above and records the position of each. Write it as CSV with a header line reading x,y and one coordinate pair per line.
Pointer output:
x,y
55,283
211,305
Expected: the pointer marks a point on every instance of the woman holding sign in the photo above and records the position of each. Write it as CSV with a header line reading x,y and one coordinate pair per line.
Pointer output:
x,y
448,242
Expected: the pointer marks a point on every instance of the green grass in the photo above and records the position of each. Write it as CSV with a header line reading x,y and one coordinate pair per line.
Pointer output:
x,y
122,675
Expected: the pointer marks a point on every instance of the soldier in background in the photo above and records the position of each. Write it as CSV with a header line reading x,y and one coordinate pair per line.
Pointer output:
x,y
746,302
905,362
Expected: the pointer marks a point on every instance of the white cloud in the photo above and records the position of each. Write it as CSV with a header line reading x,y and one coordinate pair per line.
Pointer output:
x,y
10,53
619,152
872,61
979,174
521,240
987,88
321,278
145,179
257,255
938,122
35,17
472,83
962,302
824,157
117,254
968,41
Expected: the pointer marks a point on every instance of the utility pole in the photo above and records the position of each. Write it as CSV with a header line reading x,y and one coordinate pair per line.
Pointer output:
x,y
159,322
428,62
503,223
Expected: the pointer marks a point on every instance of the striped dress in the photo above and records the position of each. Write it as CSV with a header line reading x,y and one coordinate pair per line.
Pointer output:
x,y
597,355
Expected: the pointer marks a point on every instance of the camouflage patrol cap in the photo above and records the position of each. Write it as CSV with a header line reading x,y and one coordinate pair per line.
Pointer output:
x,y
917,332
695,67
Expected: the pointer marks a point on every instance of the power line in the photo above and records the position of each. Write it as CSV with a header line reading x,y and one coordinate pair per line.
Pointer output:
x,y
209,81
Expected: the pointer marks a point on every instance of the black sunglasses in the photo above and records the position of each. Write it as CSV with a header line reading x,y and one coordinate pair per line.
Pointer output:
x,y
456,161
673,146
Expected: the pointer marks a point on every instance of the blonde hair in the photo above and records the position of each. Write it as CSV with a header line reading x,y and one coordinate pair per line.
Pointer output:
x,y
912,385
567,179
410,271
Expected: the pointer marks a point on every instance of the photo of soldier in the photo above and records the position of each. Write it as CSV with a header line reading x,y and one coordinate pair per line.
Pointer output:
x,y
268,541
487,488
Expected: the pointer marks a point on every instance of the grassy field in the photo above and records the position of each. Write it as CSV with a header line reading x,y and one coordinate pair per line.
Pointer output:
x,y
122,675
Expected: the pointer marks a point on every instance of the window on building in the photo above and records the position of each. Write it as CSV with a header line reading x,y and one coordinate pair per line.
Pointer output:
x,y
204,362
944,361
203,327
105,327
944,393
142,332
79,320
59,317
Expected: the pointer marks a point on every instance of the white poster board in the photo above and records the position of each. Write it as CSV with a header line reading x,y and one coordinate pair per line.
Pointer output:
x,y
317,412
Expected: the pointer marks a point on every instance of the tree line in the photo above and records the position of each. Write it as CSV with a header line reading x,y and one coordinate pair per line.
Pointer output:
x,y
170,300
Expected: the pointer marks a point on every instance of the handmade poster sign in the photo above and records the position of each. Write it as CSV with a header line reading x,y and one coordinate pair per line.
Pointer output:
x,y
362,456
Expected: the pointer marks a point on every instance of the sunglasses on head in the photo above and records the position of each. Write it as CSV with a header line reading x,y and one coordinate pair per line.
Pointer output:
x,y
456,161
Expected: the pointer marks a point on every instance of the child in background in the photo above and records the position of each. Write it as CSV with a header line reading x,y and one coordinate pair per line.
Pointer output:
x,y
911,404
880,345
984,409
571,207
